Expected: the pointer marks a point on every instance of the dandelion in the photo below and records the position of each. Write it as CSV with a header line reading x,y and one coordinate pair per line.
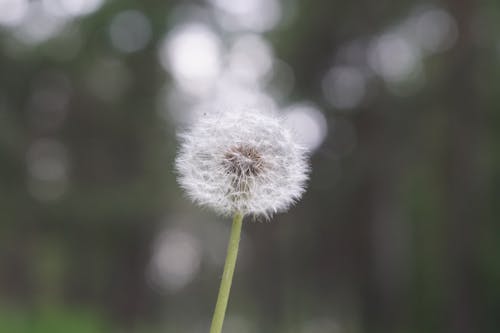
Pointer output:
x,y
240,163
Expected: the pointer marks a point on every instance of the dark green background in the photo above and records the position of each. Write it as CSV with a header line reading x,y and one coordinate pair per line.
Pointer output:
x,y
399,230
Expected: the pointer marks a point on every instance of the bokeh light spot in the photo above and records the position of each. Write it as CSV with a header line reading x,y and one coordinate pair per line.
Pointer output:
x,y
394,57
308,123
47,164
72,7
436,30
253,15
12,12
39,24
344,87
192,53
130,31
176,260
250,58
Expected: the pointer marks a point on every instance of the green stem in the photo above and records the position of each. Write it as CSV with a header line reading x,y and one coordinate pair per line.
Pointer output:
x,y
227,276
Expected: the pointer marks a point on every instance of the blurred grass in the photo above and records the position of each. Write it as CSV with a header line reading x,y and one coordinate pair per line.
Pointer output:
x,y
52,320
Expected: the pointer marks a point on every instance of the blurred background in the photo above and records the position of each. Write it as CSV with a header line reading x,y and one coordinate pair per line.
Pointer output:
x,y
398,100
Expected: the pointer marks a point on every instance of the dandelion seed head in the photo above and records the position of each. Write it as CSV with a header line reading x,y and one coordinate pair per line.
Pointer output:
x,y
243,161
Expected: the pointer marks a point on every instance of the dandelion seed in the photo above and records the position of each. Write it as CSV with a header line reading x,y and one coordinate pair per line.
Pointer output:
x,y
242,161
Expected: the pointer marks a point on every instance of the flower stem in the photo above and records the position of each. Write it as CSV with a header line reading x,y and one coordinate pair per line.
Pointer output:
x,y
227,276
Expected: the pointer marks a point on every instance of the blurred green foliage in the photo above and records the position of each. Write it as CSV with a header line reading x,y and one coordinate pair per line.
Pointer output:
x,y
52,320
398,232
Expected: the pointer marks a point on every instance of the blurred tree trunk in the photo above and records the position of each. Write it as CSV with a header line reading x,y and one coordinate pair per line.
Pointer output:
x,y
461,168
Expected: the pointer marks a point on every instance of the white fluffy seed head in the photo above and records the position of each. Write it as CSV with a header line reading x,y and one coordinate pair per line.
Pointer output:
x,y
242,161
